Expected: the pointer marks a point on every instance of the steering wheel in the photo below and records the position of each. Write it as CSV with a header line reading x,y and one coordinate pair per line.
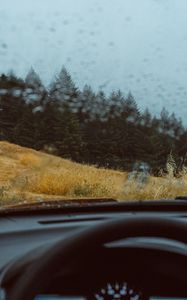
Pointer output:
x,y
64,252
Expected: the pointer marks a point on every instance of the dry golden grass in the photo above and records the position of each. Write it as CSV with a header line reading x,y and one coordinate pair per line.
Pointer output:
x,y
29,159
156,188
29,175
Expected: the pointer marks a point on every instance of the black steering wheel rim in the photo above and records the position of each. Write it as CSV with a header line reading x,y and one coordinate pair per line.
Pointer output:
x,y
63,252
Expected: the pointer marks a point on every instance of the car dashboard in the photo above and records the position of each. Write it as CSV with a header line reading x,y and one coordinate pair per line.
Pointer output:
x,y
133,268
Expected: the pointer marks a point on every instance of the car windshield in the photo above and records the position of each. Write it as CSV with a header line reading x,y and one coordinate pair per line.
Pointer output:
x,y
92,100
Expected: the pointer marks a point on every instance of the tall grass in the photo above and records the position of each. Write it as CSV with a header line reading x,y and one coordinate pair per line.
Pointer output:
x,y
28,175
77,183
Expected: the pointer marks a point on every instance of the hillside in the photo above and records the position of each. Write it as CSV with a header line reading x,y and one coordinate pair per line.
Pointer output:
x,y
28,175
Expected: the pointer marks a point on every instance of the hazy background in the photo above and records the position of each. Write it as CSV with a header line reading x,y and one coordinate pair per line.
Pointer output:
x,y
137,45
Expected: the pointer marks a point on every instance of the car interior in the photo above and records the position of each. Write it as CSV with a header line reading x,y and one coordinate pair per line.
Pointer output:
x,y
107,251
93,150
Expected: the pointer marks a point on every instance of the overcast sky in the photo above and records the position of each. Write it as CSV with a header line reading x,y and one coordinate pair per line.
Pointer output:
x,y
137,45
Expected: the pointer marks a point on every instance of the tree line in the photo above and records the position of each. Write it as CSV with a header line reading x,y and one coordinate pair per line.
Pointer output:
x,y
87,126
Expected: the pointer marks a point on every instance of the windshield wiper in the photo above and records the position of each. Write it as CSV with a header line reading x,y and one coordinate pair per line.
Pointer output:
x,y
183,198
63,203
92,205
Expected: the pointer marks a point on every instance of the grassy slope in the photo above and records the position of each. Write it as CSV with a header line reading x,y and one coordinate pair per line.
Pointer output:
x,y
29,175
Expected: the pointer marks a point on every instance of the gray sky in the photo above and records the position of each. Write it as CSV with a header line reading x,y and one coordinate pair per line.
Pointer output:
x,y
137,45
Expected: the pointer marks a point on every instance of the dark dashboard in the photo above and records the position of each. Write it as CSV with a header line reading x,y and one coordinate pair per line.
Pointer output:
x,y
134,266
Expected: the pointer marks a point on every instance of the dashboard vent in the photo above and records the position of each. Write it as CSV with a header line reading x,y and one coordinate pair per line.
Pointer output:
x,y
58,221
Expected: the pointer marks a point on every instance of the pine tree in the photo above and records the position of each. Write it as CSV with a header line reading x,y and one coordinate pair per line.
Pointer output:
x,y
24,131
35,91
32,79
86,103
115,102
63,89
11,105
69,138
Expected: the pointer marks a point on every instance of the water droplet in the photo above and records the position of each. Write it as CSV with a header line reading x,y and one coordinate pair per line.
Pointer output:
x,y
4,46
